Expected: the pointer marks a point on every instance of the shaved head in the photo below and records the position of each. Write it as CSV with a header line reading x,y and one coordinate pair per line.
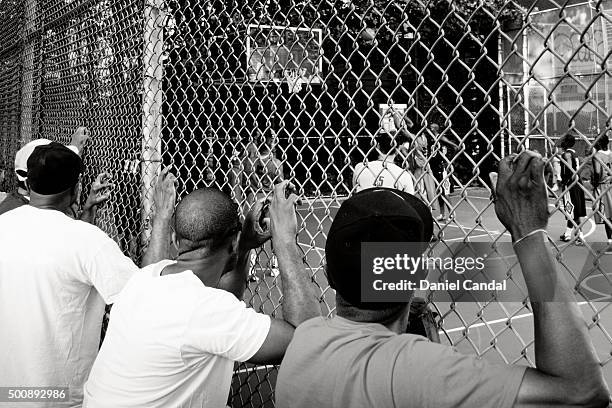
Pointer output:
x,y
206,218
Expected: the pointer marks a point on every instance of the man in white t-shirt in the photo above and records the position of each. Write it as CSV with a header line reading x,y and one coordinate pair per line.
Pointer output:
x,y
178,326
383,172
56,275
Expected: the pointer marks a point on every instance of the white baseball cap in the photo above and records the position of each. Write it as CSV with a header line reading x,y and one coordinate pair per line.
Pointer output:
x,y
23,154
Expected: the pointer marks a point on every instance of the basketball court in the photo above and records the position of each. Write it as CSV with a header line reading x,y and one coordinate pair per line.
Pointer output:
x,y
499,332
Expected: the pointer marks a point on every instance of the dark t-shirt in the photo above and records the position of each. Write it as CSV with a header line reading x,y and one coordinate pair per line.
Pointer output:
x,y
339,363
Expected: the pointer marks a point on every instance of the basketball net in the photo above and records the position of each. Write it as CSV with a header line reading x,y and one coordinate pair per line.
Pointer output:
x,y
294,80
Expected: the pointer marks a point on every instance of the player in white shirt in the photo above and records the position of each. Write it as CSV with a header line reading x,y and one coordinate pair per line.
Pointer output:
x,y
56,275
383,172
178,326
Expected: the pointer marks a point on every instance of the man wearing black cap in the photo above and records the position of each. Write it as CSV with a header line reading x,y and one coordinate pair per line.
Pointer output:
x,y
56,275
362,358
20,196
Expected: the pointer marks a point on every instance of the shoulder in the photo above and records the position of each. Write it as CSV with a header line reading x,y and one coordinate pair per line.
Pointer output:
x,y
219,299
88,231
313,323
155,269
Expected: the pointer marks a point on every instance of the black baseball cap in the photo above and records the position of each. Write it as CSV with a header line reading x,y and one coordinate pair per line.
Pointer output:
x,y
53,168
372,215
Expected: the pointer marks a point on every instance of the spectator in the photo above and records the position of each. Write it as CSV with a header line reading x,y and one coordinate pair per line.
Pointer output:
x,y
417,153
556,169
56,274
178,327
360,358
574,200
267,171
383,172
602,183
98,194
439,165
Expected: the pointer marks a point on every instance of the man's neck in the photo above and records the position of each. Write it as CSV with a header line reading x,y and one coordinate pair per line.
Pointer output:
x,y
51,202
208,268
396,324
386,157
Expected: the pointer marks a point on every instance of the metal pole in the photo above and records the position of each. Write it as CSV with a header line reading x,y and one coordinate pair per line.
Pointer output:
x,y
605,65
526,89
500,59
27,80
154,18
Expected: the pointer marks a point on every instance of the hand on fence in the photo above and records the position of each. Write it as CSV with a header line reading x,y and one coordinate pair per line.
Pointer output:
x,y
80,137
282,221
255,232
99,192
521,200
165,194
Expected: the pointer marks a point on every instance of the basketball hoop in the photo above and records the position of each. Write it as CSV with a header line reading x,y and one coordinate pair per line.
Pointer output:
x,y
294,79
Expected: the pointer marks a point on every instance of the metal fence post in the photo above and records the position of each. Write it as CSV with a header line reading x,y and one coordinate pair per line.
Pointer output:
x,y
154,17
27,80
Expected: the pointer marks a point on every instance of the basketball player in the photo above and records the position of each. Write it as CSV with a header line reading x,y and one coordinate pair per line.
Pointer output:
x,y
383,172
267,171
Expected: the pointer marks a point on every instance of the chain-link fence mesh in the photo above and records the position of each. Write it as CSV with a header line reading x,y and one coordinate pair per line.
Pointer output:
x,y
205,87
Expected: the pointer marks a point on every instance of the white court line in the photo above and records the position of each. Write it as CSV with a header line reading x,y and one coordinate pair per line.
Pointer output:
x,y
492,232
593,225
482,198
603,295
467,236
503,320
247,370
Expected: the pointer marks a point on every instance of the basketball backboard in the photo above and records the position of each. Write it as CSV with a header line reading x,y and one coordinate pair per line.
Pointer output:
x,y
272,50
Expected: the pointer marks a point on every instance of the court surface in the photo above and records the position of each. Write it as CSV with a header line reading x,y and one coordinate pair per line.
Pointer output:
x,y
499,332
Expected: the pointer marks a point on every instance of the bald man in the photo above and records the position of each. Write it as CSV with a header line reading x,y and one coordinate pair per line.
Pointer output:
x,y
178,326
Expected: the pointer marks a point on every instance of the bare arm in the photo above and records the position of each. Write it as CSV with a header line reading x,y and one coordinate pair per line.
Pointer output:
x,y
79,138
251,237
164,198
98,195
448,142
402,124
567,371
300,301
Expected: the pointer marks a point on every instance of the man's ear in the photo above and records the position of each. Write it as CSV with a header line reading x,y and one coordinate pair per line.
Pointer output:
x,y
74,193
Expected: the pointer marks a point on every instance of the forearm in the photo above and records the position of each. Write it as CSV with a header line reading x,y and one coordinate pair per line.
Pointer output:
x,y
235,281
300,301
407,134
159,244
563,348
447,141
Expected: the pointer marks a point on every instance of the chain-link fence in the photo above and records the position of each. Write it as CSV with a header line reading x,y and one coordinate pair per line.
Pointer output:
x,y
213,90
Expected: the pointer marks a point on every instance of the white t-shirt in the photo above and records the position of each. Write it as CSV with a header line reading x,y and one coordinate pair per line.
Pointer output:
x,y
172,342
381,173
53,270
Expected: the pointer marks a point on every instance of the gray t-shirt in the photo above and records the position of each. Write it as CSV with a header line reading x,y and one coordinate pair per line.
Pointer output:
x,y
340,363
